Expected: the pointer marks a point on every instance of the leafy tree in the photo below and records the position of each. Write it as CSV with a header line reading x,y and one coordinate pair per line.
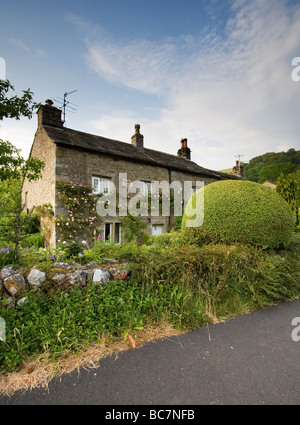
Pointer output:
x,y
15,107
251,172
15,223
14,168
13,165
287,187
270,165
272,172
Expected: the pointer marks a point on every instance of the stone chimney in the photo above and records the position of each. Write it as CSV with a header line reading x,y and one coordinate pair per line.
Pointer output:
x,y
184,151
49,115
238,169
138,139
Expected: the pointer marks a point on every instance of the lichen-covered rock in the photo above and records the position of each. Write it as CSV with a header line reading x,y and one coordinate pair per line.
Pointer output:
x,y
15,285
7,271
59,277
109,261
65,265
36,278
78,277
21,300
119,272
14,280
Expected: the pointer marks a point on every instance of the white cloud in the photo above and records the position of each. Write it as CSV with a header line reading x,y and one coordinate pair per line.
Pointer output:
x,y
22,45
20,133
235,91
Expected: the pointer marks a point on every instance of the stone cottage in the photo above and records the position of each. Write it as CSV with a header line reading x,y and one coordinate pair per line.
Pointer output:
x,y
88,159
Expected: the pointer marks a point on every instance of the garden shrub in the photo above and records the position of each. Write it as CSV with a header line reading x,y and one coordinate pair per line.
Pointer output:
x,y
36,239
241,211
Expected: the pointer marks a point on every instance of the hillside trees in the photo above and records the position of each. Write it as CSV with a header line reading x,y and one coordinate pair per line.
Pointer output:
x,y
271,165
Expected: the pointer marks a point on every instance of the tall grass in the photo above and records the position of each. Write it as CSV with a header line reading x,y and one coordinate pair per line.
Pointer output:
x,y
184,285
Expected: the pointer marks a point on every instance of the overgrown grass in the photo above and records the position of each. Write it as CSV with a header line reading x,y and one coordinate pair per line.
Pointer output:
x,y
184,285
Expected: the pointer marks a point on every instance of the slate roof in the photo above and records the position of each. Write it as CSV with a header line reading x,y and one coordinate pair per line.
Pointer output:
x,y
69,138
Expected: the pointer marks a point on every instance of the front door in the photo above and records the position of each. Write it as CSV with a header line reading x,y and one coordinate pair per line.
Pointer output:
x,y
157,229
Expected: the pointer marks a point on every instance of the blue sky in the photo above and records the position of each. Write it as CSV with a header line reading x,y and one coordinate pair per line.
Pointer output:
x,y
217,72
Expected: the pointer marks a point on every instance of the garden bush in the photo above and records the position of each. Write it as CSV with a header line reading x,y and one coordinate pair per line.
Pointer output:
x,y
241,211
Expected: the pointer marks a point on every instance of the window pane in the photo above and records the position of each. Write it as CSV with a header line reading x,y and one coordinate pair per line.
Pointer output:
x,y
117,233
96,184
105,185
107,231
149,188
142,188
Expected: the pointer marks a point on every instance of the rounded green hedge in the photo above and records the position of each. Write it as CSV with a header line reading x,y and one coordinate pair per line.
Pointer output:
x,y
241,211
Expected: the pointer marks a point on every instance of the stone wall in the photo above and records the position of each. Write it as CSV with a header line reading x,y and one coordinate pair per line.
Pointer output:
x,y
42,191
15,281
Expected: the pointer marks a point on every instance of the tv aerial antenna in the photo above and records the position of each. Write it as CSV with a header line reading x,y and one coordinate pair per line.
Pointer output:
x,y
66,105
239,158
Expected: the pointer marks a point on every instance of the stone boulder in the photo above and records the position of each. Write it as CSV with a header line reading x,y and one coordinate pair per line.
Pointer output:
x,y
101,276
120,272
15,280
36,278
15,285
78,277
7,271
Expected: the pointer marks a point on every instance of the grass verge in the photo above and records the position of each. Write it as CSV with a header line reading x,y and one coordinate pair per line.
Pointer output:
x,y
172,289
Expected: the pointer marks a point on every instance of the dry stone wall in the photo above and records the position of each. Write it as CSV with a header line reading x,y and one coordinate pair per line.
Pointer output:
x,y
16,281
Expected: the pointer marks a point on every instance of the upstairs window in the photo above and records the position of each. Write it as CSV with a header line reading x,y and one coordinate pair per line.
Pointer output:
x,y
145,188
100,185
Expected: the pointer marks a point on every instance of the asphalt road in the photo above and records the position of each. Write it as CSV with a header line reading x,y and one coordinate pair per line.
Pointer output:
x,y
248,360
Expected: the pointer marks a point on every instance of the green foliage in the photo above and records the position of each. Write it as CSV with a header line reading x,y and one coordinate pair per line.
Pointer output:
x,y
241,211
35,239
270,165
132,228
15,224
62,324
145,239
80,204
14,166
14,106
186,286
177,221
7,256
273,171
72,250
287,187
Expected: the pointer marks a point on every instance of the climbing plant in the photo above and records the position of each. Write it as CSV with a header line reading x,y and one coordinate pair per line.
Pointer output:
x,y
81,219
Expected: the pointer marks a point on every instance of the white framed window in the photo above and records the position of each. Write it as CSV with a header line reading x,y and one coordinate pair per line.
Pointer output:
x,y
145,188
100,185
149,188
105,186
112,233
96,185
